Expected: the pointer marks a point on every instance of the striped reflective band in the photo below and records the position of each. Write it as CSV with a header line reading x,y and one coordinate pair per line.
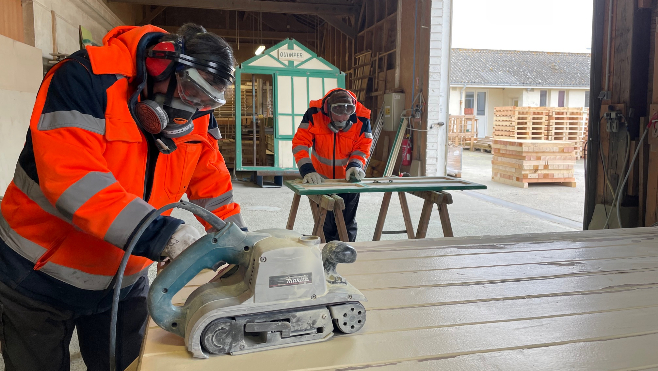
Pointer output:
x,y
71,119
87,281
304,125
31,189
214,203
127,220
299,149
82,191
215,133
328,162
24,247
358,153
304,161
237,220
74,277
368,135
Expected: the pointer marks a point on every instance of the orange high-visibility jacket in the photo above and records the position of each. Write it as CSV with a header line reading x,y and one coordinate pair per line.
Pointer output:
x,y
333,151
88,175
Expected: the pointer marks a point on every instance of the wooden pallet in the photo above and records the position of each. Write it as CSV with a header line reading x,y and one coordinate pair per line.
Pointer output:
x,y
463,130
363,72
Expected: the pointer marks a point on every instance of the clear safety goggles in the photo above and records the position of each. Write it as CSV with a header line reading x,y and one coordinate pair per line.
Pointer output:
x,y
196,91
343,109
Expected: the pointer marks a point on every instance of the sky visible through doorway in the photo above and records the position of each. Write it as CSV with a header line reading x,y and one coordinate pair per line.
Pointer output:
x,y
537,25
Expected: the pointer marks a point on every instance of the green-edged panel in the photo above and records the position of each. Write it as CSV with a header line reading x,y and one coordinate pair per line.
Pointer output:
x,y
392,184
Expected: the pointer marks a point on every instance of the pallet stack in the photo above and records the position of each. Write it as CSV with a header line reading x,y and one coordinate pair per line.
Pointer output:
x,y
463,130
521,162
542,123
567,124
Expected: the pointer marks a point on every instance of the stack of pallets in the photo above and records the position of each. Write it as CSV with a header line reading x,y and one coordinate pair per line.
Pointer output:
x,y
542,123
520,162
463,130
567,124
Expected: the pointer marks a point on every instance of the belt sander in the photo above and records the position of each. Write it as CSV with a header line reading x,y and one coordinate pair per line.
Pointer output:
x,y
284,290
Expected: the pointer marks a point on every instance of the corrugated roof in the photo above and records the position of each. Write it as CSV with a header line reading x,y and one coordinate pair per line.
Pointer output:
x,y
482,67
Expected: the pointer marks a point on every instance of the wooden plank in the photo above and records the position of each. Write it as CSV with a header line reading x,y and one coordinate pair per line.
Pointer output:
x,y
526,302
379,227
339,207
406,215
393,184
445,220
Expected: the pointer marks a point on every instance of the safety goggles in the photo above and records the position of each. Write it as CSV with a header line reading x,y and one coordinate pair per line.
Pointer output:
x,y
196,91
343,108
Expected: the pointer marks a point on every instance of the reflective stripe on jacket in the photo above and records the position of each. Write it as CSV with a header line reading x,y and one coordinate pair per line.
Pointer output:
x,y
317,148
86,177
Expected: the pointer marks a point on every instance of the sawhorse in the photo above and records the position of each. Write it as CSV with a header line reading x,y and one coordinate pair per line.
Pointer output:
x,y
320,204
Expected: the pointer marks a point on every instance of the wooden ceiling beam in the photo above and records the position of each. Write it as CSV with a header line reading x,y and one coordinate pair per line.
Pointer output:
x,y
151,16
266,35
340,25
255,6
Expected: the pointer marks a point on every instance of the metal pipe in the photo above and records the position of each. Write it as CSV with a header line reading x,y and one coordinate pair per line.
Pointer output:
x,y
253,111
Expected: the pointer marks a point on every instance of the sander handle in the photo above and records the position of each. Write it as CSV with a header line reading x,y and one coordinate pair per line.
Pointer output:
x,y
230,245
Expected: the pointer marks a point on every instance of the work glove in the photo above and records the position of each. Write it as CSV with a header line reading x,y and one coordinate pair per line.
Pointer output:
x,y
312,178
356,173
184,236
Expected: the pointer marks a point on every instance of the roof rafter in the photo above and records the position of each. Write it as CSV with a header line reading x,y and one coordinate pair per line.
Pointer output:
x,y
256,6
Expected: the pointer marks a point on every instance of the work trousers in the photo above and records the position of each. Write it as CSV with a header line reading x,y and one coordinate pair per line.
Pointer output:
x,y
36,336
349,214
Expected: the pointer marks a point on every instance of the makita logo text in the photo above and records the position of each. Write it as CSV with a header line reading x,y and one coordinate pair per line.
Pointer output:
x,y
291,280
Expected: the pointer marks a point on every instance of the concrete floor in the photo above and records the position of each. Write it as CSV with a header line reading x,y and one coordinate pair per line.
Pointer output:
x,y
506,210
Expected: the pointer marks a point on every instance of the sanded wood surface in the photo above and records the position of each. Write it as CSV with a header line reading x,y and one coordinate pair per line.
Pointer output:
x,y
560,301
391,184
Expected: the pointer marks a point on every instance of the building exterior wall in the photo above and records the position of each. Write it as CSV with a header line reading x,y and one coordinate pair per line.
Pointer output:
x,y
502,97
438,88
20,78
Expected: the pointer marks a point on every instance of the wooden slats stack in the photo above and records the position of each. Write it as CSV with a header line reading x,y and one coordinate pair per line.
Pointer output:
x,y
520,162
542,123
504,122
463,130
566,124
362,73
531,123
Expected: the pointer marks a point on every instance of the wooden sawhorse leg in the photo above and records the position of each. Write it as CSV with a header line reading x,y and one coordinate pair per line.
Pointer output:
x,y
406,215
320,204
441,200
379,227
339,206
293,211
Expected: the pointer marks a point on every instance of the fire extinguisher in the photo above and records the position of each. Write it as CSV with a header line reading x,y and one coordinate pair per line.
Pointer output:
x,y
406,151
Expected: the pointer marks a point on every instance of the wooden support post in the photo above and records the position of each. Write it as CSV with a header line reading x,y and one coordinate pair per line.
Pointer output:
x,y
424,219
293,211
445,220
406,215
379,227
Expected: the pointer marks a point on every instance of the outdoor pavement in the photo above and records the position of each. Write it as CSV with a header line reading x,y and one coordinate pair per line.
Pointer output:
x,y
499,210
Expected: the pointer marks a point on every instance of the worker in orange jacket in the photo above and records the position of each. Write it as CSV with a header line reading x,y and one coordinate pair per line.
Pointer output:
x,y
337,129
117,131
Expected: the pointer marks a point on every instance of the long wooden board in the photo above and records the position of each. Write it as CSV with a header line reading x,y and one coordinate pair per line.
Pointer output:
x,y
391,184
557,301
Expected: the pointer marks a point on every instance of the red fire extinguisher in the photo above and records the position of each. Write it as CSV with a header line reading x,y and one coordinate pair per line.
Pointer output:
x,y
406,151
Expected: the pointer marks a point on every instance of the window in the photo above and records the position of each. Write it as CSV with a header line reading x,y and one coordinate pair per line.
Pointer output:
x,y
482,103
586,99
543,95
560,98
470,98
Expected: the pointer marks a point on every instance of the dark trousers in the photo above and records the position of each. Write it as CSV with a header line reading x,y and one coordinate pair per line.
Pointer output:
x,y
349,214
35,336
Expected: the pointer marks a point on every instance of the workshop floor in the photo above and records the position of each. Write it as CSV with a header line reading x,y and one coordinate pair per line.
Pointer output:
x,y
498,210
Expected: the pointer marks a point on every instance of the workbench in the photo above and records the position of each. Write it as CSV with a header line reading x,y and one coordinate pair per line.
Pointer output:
x,y
323,198
554,301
